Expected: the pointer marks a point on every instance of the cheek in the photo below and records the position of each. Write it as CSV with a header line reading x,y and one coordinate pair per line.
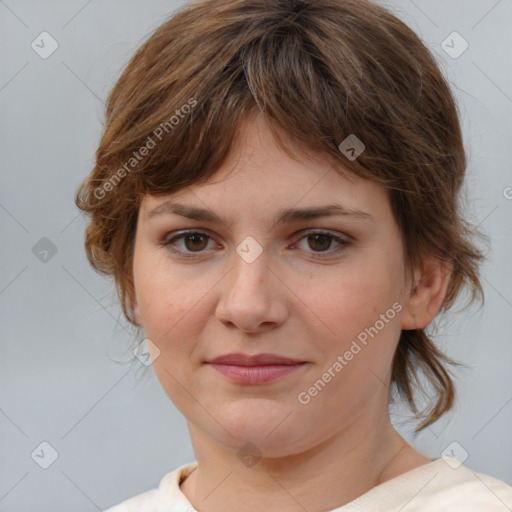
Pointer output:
x,y
163,294
349,301
166,306
361,308
175,305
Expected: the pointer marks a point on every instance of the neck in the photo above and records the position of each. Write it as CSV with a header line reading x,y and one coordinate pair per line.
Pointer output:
x,y
313,480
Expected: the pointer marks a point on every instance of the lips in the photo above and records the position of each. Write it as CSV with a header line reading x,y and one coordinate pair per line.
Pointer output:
x,y
239,359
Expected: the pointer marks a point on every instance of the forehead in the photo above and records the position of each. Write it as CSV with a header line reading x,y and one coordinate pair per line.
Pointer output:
x,y
258,175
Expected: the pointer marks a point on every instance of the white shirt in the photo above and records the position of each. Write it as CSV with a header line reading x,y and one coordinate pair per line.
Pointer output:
x,y
439,486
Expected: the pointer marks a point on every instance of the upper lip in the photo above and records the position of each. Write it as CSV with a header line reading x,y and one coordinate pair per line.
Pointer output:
x,y
240,359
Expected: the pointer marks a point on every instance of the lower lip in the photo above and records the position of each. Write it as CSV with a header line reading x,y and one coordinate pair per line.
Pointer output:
x,y
256,374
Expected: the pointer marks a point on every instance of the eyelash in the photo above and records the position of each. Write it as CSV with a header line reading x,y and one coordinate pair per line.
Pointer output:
x,y
168,243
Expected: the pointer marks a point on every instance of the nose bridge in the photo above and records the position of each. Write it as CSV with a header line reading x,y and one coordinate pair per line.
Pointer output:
x,y
250,267
249,297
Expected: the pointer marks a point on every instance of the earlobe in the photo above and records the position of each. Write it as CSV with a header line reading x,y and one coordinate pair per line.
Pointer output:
x,y
427,294
136,311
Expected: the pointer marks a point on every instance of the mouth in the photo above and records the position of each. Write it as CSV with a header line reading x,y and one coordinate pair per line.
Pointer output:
x,y
240,359
256,375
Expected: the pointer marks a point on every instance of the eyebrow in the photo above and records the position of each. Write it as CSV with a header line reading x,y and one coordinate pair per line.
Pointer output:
x,y
283,216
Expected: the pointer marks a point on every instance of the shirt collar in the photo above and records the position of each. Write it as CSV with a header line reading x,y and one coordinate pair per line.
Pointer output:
x,y
170,496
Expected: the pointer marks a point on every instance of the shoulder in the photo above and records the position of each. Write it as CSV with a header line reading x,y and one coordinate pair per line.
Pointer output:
x,y
462,490
443,484
167,496
146,501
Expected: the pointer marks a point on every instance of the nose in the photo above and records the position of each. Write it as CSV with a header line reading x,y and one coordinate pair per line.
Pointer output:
x,y
253,298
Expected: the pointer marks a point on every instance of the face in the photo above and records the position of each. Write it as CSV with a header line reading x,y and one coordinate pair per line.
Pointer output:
x,y
325,290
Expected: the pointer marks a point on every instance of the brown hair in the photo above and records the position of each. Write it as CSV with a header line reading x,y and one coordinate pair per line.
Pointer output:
x,y
318,71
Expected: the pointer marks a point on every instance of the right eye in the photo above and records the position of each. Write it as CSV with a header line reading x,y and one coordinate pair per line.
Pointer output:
x,y
193,242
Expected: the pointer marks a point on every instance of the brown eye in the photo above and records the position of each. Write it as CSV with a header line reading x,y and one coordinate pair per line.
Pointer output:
x,y
195,242
319,242
188,243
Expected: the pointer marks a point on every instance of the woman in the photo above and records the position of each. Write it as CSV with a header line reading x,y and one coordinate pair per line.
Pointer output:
x,y
277,196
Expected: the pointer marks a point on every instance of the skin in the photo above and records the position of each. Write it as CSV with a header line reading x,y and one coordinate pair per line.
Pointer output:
x,y
299,298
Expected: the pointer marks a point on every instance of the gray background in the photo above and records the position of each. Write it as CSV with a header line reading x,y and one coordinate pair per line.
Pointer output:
x,y
64,343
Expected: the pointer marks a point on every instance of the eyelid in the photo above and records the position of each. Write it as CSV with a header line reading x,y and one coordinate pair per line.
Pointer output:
x,y
341,238
332,233
166,242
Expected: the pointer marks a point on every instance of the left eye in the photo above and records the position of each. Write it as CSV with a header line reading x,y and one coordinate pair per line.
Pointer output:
x,y
321,241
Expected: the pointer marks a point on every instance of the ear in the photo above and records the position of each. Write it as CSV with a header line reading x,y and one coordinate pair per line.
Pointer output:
x,y
427,294
134,305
